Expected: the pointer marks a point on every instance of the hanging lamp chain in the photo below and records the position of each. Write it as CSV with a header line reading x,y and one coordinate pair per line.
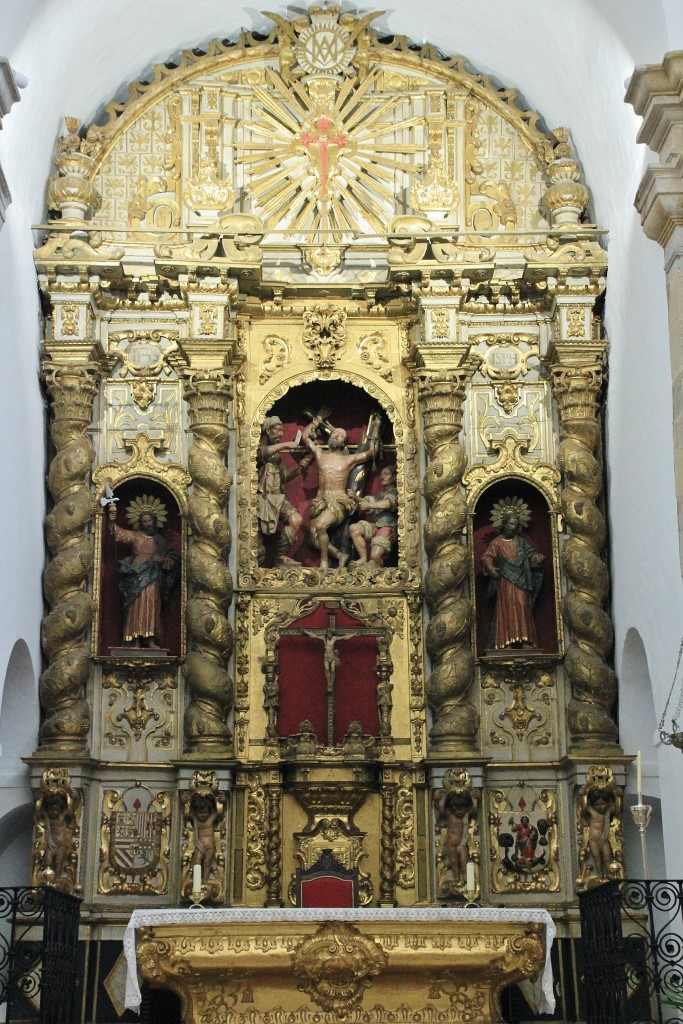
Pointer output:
x,y
675,737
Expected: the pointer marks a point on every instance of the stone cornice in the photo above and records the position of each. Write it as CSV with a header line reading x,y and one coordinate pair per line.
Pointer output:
x,y
9,94
656,93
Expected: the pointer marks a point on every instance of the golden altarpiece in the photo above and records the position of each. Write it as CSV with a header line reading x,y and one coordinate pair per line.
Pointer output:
x,y
269,246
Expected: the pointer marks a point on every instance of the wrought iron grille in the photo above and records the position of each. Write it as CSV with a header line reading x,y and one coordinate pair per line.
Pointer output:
x,y
632,937
38,954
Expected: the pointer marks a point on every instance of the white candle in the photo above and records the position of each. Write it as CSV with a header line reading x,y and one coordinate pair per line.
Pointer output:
x,y
196,878
470,876
639,765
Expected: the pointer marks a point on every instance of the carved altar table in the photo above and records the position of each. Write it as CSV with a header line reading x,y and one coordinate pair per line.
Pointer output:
x,y
318,966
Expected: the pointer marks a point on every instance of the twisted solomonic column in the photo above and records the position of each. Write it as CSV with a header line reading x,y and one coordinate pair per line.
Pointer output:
x,y
593,684
210,638
64,631
448,634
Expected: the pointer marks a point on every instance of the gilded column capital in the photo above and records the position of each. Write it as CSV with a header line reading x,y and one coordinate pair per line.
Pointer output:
x,y
208,393
578,390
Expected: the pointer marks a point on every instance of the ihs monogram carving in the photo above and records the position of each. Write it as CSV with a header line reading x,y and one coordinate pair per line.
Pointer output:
x,y
324,334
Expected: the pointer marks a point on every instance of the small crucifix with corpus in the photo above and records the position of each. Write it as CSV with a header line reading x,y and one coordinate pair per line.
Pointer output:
x,y
330,636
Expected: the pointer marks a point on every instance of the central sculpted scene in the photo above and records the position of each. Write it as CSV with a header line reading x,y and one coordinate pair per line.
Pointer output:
x,y
328,496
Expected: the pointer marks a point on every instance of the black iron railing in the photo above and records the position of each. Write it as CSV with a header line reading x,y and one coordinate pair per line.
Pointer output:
x,y
38,955
632,939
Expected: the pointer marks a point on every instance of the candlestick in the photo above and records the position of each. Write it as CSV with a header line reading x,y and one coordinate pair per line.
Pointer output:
x,y
639,765
641,815
196,879
470,884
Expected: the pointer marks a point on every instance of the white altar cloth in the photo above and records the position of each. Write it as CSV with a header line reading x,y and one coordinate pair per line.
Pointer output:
x,y
150,918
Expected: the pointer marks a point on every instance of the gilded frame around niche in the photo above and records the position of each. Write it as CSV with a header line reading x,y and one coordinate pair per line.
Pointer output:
x,y
511,467
144,467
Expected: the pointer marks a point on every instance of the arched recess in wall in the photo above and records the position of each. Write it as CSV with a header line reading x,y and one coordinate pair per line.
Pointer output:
x,y
19,710
637,728
19,719
637,719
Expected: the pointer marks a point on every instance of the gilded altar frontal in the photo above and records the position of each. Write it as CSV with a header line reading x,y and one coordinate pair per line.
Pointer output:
x,y
326,579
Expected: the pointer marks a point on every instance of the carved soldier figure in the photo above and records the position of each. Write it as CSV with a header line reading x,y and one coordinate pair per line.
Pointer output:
x,y
373,541
333,502
273,506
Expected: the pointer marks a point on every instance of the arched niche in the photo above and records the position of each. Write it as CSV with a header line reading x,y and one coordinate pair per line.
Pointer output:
x,y
111,615
539,534
350,407
19,720
19,711
637,717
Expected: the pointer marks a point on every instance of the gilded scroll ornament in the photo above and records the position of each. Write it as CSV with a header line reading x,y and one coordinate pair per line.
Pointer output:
x,y
324,334
598,819
336,965
256,833
593,683
64,631
210,639
450,679
372,349
57,832
276,356
404,827
140,714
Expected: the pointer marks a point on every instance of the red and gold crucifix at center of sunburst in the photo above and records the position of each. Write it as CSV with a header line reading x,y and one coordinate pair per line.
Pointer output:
x,y
323,146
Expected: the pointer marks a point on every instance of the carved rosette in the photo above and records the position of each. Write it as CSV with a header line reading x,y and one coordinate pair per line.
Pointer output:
x,y
210,638
64,632
455,718
593,684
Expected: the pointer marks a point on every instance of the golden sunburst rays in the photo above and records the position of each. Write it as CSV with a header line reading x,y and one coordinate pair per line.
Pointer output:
x,y
328,159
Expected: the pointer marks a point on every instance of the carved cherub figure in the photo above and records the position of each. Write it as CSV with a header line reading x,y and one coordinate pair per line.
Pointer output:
x,y
55,811
599,813
458,807
599,810
204,813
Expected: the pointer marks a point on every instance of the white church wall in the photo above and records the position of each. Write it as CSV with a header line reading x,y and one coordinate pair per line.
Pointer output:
x,y
77,57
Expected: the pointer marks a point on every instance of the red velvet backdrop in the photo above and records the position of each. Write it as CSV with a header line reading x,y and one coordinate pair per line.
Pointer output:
x,y
303,689
350,408
538,534
111,601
